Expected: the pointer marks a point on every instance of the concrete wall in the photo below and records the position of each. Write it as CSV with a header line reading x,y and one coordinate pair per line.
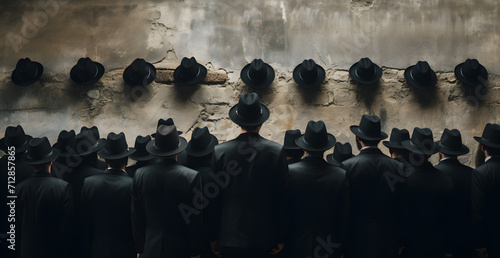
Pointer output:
x,y
224,35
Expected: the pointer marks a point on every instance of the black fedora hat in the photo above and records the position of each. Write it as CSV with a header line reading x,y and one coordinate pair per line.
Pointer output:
x,y
290,137
202,142
341,152
139,73
93,129
190,71
86,71
39,152
471,72
421,76
86,143
397,136
422,142
316,138
308,74
26,72
369,128
491,136
15,136
66,143
249,111
257,74
161,121
365,71
167,142
451,143
141,154
116,147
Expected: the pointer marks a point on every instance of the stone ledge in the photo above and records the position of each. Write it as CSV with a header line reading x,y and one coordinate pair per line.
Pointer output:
x,y
166,76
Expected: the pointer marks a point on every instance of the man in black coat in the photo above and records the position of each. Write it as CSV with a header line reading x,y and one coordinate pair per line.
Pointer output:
x,y
318,199
398,152
424,201
373,178
252,171
44,204
66,161
458,232
14,145
166,221
341,153
106,203
99,164
141,155
198,155
486,195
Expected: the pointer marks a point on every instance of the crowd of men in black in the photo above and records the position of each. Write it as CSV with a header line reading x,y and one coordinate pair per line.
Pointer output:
x,y
251,197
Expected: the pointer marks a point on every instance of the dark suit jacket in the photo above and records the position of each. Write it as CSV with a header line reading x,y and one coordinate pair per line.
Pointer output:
x,y
373,179
44,204
424,204
106,203
249,210
486,206
165,221
318,207
458,232
132,169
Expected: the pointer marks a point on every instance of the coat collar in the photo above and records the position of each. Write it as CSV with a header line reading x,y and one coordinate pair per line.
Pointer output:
x,y
370,151
163,160
115,171
449,160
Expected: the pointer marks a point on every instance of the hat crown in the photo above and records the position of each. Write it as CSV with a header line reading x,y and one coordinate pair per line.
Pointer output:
x,y
189,68
342,152
26,68
290,137
115,144
167,138
422,138
316,135
169,121
38,149
86,69
257,71
140,145
309,70
66,140
370,125
84,141
492,133
249,107
200,138
93,129
421,71
397,136
15,136
451,139
471,68
139,71
365,68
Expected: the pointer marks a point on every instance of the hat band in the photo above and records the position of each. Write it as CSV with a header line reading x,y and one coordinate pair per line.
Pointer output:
x,y
243,117
156,147
365,133
42,157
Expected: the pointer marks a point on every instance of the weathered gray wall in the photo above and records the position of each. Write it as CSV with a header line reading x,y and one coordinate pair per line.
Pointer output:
x,y
225,35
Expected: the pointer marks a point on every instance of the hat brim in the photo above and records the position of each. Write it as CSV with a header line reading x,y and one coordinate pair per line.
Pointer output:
x,y
417,84
300,141
257,85
415,149
468,81
53,155
331,160
201,75
288,147
393,145
20,82
486,142
354,75
355,130
63,154
237,120
133,82
22,148
102,153
94,148
154,134
207,150
136,156
97,77
150,147
308,84
448,151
